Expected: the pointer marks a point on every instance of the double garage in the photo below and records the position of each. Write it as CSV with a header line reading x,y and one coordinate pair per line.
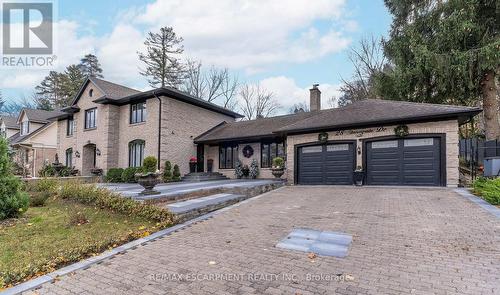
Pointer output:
x,y
417,160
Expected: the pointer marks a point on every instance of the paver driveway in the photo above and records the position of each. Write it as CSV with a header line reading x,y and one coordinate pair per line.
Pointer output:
x,y
405,240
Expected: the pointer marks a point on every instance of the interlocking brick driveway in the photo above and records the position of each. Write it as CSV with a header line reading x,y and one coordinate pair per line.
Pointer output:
x,y
406,240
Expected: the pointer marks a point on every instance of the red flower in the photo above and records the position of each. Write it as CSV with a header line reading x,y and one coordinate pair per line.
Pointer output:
x,y
193,160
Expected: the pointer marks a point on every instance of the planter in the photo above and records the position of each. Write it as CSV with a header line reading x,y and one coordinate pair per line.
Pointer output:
x,y
278,172
96,171
359,177
210,165
148,181
192,167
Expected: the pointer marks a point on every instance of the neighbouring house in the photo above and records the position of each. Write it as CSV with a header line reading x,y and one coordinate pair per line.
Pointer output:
x,y
394,143
35,142
8,126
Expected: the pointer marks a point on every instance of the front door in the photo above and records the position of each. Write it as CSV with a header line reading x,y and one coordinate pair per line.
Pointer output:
x,y
200,155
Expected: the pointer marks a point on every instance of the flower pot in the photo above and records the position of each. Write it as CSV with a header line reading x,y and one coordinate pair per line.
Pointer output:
x,y
359,177
278,172
192,167
148,181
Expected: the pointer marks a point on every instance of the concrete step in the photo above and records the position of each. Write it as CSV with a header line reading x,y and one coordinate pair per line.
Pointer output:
x,y
204,176
193,208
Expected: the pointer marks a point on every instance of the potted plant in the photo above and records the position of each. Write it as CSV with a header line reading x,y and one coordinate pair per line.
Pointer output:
x,y
192,164
148,178
359,176
245,170
278,168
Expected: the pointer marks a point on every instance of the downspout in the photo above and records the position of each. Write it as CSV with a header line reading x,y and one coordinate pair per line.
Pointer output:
x,y
159,127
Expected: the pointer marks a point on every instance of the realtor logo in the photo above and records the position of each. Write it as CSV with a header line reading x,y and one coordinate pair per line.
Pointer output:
x,y
27,28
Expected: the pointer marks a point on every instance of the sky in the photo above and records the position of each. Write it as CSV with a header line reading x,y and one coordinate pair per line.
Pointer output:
x,y
283,45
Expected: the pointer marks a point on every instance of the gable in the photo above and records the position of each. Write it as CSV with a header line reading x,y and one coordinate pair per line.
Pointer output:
x,y
89,91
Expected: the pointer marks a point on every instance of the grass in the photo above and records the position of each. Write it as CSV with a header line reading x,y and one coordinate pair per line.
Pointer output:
x,y
43,239
488,189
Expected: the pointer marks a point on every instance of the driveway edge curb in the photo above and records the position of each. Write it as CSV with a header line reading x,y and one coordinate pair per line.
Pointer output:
x,y
84,264
480,202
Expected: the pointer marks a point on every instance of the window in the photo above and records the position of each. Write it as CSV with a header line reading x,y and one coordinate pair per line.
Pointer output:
x,y
69,157
385,144
91,92
136,153
269,151
90,118
25,128
228,155
70,127
419,142
138,113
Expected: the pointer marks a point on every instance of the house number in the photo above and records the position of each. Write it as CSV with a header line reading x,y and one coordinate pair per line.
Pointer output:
x,y
359,132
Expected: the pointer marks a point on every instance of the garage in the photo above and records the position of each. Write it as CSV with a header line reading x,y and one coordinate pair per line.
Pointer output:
x,y
331,163
409,161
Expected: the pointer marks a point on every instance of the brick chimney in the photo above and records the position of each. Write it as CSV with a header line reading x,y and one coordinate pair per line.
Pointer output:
x,y
315,98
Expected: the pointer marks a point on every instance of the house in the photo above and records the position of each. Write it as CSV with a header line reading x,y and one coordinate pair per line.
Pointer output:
x,y
8,126
394,143
35,142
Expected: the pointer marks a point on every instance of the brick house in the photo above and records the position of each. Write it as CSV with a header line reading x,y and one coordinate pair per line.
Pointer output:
x,y
393,143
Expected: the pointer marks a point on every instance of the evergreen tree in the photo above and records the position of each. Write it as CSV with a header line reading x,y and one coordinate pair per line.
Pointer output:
x,y
2,103
72,81
445,52
163,66
13,202
90,66
50,91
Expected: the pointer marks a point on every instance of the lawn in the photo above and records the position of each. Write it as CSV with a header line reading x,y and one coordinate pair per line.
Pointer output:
x,y
49,237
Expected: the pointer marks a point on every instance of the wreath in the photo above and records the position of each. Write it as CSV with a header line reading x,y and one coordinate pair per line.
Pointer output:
x,y
401,131
323,137
247,151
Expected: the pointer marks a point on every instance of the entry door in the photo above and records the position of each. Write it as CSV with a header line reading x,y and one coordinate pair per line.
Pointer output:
x,y
412,161
326,164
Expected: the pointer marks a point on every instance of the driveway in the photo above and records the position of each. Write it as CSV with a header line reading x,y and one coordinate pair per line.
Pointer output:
x,y
405,240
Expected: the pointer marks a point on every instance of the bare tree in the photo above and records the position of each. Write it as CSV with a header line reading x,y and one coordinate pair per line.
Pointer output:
x,y
299,108
368,60
229,91
257,102
194,81
163,67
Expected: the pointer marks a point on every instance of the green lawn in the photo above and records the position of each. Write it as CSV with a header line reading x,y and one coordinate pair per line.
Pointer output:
x,y
43,239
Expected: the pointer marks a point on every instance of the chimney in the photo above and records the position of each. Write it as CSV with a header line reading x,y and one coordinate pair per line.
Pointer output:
x,y
315,98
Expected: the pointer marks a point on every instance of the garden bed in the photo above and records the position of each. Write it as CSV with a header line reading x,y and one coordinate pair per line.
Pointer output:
x,y
76,222
488,189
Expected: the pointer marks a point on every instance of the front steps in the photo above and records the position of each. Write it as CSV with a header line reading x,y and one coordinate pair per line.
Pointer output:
x,y
204,176
193,208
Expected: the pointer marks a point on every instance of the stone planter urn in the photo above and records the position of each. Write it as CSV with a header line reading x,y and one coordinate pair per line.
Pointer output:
x,y
359,176
278,172
193,165
148,181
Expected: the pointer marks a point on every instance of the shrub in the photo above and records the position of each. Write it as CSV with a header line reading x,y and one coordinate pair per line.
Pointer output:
x,y
77,218
177,173
65,172
278,162
149,165
13,202
45,185
47,171
254,169
114,175
488,189
103,198
128,174
167,173
238,169
38,199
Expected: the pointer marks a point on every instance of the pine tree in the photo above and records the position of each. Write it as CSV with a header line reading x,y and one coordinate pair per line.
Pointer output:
x,y
90,66
163,66
50,91
445,52
13,202
72,81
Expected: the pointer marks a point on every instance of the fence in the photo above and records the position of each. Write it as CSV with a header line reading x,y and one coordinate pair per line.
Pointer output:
x,y
472,152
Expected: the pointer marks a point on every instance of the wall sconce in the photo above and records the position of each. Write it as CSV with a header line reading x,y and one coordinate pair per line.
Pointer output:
x,y
97,152
359,150
77,154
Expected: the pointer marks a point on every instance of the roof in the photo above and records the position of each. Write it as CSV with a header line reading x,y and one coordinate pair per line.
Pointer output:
x,y
17,138
112,90
40,116
363,113
10,122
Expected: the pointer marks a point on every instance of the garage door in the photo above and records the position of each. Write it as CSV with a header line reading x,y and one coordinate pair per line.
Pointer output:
x,y
404,162
326,164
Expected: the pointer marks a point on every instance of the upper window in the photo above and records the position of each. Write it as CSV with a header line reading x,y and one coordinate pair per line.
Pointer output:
x,y
138,113
269,151
90,118
91,92
228,155
25,128
136,153
69,157
70,127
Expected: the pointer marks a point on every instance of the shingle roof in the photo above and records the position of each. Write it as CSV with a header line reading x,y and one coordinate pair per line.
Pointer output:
x,y
112,90
363,113
10,122
41,116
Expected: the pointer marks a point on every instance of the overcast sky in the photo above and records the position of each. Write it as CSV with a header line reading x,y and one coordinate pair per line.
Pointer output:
x,y
285,45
